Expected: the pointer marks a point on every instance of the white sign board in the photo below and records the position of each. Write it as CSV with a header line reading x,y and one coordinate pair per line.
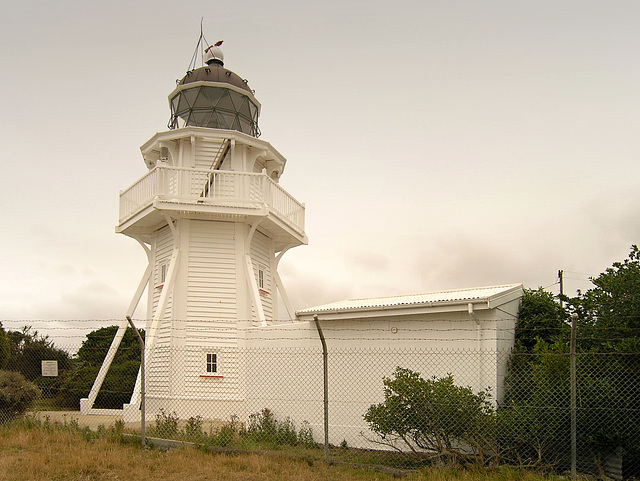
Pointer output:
x,y
50,368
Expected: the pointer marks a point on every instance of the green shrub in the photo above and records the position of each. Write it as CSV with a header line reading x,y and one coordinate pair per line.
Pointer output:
x,y
305,436
286,433
166,424
228,433
16,395
263,429
262,426
193,429
435,417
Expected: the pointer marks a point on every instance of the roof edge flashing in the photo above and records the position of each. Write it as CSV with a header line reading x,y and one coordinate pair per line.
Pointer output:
x,y
509,293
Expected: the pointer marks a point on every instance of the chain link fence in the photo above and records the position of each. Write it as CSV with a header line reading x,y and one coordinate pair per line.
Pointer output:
x,y
389,400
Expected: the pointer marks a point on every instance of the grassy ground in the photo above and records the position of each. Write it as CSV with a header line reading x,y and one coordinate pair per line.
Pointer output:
x,y
37,452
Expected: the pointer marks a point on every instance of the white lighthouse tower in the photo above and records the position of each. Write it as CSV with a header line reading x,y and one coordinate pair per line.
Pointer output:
x,y
214,223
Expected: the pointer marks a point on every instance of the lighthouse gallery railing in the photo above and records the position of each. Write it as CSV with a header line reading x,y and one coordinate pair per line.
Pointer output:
x,y
211,187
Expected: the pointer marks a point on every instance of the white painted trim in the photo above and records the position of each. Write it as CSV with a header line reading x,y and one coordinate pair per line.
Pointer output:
x,y
280,286
187,132
166,290
251,278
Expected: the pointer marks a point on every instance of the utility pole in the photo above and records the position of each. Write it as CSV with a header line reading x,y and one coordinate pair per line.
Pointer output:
x,y
561,280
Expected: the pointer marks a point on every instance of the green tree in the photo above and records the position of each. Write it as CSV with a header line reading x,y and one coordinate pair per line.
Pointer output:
x,y
449,422
120,380
535,415
27,349
609,351
610,311
540,318
4,348
536,374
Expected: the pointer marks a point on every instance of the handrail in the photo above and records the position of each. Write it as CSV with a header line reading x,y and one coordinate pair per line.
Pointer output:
x,y
186,185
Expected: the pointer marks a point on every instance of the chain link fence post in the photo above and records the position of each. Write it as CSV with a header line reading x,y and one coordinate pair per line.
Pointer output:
x,y
325,369
574,449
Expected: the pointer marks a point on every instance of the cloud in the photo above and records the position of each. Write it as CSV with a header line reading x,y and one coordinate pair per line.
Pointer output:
x,y
460,261
89,300
616,214
307,287
367,262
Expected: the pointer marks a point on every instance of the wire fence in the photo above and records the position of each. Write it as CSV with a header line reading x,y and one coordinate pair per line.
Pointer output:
x,y
406,399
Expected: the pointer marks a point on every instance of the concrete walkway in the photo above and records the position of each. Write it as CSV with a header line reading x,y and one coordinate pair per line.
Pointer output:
x,y
92,420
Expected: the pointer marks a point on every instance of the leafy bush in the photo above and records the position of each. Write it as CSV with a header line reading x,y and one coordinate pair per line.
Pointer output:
x,y
228,433
305,436
16,395
193,429
264,427
166,424
446,422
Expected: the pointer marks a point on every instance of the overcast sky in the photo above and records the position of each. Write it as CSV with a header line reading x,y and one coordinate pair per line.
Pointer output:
x,y
437,144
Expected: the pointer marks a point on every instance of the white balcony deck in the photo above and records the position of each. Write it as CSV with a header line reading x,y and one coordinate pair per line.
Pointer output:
x,y
214,188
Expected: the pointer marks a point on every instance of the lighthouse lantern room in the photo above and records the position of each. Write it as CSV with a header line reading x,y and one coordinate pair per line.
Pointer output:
x,y
214,223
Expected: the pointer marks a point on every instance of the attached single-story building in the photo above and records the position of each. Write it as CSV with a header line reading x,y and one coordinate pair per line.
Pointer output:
x,y
466,333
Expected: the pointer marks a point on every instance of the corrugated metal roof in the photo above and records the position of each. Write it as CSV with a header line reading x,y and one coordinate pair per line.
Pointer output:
x,y
430,298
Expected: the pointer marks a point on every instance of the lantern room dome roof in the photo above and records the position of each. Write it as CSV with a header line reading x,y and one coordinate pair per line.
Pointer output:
x,y
215,73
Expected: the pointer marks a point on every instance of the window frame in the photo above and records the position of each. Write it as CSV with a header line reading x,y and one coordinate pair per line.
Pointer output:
x,y
163,270
209,363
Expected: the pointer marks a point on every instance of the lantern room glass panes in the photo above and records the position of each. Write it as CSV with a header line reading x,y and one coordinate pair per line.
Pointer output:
x,y
225,102
216,108
213,94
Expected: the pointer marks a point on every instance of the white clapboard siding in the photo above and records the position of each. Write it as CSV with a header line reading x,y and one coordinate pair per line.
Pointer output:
x,y
211,311
261,255
157,378
198,385
164,333
211,292
202,333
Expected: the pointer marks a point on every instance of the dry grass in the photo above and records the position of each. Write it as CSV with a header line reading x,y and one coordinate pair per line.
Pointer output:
x,y
37,453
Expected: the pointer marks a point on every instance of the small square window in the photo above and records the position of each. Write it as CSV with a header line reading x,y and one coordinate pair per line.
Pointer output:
x,y
212,363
